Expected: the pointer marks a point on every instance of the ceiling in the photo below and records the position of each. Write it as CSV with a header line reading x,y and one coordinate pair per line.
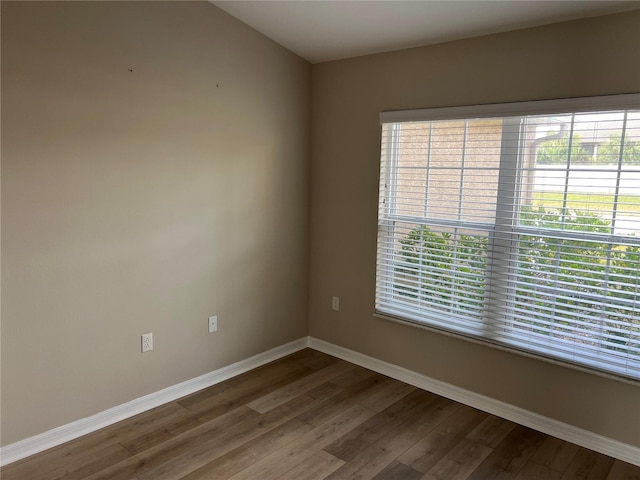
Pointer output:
x,y
320,31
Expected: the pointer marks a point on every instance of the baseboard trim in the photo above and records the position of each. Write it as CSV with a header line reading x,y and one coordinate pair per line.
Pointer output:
x,y
564,431
73,430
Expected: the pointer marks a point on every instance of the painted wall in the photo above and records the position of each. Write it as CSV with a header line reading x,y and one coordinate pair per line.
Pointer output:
x,y
155,171
583,58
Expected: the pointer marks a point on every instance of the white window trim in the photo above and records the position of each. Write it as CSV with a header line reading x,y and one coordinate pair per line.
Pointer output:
x,y
558,106
582,104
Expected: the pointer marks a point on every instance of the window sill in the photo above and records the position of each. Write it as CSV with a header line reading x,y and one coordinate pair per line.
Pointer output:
x,y
508,349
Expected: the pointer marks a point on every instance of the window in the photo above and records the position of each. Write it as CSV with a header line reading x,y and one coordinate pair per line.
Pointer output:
x,y
517,224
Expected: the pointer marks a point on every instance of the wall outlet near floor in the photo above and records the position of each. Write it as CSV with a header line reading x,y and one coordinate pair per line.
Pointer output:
x,y
147,342
213,324
335,303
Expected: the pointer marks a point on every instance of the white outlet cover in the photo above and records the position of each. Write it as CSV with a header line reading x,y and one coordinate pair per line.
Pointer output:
x,y
335,303
213,324
147,342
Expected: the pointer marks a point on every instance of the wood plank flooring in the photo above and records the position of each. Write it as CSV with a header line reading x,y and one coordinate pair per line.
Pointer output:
x,y
310,416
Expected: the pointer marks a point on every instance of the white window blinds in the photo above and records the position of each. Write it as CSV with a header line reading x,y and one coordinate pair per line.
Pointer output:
x,y
522,229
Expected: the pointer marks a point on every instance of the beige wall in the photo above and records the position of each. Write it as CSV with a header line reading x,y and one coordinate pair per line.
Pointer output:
x,y
144,201
590,57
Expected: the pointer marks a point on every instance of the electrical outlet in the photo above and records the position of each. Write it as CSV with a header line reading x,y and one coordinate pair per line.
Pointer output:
x,y
147,342
213,324
335,303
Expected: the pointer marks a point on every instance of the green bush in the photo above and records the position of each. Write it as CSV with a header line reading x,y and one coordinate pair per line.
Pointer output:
x,y
557,151
435,266
609,151
554,152
440,254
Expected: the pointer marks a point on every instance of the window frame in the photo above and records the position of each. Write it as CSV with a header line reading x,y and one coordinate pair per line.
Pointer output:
x,y
505,110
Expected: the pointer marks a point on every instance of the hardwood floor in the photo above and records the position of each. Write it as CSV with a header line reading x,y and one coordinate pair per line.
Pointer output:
x,y
310,416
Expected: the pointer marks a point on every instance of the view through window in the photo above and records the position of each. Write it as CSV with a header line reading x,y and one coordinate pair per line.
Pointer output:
x,y
521,229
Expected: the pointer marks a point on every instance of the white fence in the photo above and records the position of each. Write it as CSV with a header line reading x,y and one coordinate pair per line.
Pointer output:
x,y
588,179
595,179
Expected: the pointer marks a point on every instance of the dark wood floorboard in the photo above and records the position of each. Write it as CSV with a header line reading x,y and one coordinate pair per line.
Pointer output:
x,y
310,416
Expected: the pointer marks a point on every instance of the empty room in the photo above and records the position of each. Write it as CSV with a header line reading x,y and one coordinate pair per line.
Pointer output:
x,y
320,240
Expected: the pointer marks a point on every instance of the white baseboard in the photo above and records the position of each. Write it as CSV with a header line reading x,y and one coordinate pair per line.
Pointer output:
x,y
564,431
73,430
